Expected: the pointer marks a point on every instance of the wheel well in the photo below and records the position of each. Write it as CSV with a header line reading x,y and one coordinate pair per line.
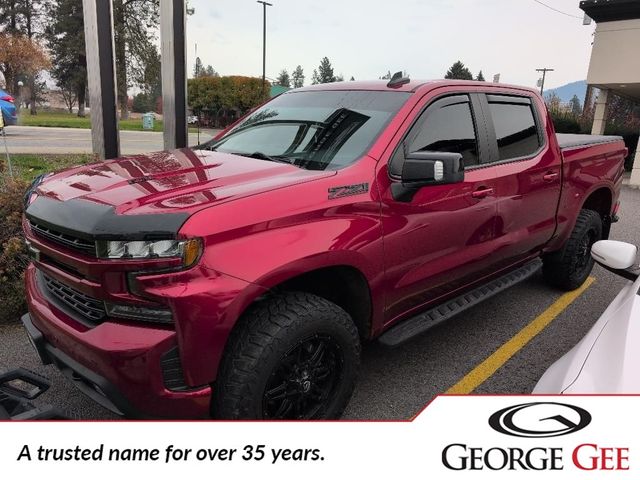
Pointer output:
x,y
600,201
343,285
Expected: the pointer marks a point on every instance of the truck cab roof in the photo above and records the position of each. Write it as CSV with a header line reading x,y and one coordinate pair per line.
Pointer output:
x,y
413,85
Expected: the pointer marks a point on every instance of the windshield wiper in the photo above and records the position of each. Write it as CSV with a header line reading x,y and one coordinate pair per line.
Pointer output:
x,y
263,156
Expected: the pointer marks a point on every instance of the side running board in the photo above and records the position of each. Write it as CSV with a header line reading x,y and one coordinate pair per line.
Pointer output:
x,y
407,329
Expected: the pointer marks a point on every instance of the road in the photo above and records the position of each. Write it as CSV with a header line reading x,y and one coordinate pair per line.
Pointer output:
x,y
396,384
51,140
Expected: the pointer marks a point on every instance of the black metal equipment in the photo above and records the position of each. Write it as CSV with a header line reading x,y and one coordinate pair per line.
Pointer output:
x,y
18,389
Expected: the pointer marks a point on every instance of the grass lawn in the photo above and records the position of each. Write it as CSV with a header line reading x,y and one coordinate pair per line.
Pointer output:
x,y
68,120
71,120
27,166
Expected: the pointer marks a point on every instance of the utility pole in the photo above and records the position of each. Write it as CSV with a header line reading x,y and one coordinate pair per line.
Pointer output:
x,y
264,45
544,76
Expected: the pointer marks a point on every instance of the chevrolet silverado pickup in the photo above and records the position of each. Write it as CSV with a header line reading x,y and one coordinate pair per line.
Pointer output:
x,y
238,279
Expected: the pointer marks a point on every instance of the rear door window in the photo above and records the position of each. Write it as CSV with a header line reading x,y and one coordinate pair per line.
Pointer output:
x,y
515,126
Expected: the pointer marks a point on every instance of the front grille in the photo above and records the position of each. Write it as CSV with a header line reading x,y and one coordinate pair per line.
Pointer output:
x,y
87,247
86,306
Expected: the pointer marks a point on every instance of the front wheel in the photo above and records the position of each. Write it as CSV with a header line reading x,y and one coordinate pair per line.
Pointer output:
x,y
569,268
293,356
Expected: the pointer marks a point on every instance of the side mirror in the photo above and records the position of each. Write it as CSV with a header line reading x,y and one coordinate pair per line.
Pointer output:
x,y
421,169
432,168
617,257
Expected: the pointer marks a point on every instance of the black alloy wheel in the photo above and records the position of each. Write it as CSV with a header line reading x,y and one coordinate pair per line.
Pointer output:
x,y
304,381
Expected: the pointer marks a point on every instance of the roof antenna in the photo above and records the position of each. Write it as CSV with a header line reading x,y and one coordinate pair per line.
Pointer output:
x,y
398,80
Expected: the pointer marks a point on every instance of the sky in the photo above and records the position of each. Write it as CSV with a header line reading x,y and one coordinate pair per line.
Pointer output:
x,y
367,38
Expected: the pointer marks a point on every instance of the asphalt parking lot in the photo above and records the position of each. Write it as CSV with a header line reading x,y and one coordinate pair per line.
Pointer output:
x,y
396,384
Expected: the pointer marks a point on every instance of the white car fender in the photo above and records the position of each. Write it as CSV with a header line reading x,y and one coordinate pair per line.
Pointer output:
x,y
606,360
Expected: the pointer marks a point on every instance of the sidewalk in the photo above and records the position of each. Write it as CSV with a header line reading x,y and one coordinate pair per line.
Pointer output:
x,y
52,140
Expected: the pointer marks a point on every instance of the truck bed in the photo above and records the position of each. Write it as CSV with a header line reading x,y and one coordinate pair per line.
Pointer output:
x,y
570,140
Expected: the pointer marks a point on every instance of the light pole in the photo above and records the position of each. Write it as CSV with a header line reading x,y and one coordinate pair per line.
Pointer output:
x,y
19,102
544,75
264,44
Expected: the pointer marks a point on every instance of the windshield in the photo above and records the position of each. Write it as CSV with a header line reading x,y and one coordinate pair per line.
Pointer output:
x,y
324,130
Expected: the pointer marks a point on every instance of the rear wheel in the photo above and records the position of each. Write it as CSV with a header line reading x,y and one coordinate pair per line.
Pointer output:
x,y
292,356
569,267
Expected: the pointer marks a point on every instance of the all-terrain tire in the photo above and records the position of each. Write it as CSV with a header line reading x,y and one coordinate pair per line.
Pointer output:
x,y
569,267
260,348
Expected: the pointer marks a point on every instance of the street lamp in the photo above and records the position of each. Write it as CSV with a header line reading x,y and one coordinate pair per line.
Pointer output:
x,y
264,43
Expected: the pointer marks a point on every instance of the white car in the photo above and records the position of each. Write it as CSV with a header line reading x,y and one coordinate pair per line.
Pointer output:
x,y
606,360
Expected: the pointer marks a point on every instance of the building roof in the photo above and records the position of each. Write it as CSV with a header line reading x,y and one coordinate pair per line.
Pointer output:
x,y
611,10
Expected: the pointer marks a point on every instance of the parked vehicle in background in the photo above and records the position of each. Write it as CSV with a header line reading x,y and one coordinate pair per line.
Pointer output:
x,y
606,360
239,279
8,109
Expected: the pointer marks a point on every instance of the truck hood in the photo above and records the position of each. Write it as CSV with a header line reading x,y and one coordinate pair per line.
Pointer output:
x,y
182,180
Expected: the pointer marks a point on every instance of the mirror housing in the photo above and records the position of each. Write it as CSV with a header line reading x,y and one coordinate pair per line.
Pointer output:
x,y
421,169
617,257
432,168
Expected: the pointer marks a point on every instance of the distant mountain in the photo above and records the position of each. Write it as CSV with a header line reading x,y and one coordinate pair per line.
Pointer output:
x,y
566,92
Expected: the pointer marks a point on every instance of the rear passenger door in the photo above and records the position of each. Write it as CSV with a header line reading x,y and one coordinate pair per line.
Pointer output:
x,y
527,172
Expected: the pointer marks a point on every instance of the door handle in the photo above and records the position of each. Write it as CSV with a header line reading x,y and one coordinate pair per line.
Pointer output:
x,y
551,176
482,193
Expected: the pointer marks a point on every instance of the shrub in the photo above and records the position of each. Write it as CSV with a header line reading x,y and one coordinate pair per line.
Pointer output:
x,y
565,121
13,253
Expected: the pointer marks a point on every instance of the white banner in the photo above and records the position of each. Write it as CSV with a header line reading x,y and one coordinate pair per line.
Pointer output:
x,y
483,437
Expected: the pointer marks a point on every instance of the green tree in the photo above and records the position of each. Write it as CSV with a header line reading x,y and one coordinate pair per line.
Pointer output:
x,y
135,24
142,103
65,38
209,71
198,68
325,73
25,17
352,79
211,94
576,106
283,78
315,79
458,72
297,77
480,77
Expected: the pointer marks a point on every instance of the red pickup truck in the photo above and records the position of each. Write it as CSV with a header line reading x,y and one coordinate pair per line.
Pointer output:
x,y
238,279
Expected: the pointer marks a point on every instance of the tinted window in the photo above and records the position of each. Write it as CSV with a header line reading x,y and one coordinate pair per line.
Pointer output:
x,y
515,130
315,130
448,129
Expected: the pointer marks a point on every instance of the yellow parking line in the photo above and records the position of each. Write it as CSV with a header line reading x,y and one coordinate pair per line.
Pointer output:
x,y
483,371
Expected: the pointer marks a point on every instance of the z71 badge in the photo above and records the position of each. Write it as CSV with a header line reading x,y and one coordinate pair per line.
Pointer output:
x,y
348,190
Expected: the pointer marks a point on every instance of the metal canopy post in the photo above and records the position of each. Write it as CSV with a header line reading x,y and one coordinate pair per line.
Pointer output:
x,y
101,73
174,72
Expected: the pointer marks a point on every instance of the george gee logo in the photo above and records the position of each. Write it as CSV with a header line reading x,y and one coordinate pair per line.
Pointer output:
x,y
540,420
536,420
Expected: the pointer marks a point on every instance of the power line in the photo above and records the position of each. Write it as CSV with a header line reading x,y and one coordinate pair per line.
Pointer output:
x,y
556,10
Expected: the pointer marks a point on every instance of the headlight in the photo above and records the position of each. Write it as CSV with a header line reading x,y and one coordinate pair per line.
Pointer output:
x,y
188,250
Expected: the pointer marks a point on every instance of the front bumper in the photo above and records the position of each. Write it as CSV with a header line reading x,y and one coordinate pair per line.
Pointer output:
x,y
117,365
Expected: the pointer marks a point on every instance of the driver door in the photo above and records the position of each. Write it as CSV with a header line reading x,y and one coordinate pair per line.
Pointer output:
x,y
442,238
